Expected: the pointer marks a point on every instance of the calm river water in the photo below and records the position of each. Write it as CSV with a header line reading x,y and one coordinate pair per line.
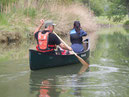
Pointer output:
x,y
107,76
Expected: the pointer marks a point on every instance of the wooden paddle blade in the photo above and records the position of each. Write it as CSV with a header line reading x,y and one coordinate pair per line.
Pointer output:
x,y
83,69
82,61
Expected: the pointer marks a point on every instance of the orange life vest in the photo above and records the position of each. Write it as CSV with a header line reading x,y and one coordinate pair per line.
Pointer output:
x,y
43,43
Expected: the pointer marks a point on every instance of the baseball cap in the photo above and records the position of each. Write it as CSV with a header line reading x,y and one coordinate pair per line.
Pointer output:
x,y
49,23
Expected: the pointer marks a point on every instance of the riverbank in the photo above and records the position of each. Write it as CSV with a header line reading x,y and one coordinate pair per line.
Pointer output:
x,y
18,21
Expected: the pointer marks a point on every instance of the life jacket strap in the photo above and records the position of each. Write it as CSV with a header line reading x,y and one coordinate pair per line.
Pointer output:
x,y
43,50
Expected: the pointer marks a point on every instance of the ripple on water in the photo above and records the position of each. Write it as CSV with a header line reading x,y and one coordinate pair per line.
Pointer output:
x,y
8,77
106,60
102,69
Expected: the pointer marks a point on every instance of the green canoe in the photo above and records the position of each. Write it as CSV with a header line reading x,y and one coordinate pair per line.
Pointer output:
x,y
39,60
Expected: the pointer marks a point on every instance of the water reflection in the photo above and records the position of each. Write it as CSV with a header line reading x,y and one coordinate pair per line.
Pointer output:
x,y
112,47
53,82
108,62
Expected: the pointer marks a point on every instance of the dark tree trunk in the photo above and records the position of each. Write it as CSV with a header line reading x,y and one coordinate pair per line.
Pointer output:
x,y
127,5
128,10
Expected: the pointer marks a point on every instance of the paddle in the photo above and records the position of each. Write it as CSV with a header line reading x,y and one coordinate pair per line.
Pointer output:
x,y
79,58
83,69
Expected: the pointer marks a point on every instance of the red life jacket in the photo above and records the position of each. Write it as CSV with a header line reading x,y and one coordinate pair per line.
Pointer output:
x,y
43,43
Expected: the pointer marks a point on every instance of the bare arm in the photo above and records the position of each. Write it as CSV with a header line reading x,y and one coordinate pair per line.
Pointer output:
x,y
39,27
65,47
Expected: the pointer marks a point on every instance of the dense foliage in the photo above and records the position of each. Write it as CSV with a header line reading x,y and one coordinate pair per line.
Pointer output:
x,y
116,9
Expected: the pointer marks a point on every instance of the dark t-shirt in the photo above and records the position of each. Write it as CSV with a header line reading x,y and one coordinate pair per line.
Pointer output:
x,y
53,39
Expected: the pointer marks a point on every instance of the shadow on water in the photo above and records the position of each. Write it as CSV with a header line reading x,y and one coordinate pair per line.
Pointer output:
x,y
55,81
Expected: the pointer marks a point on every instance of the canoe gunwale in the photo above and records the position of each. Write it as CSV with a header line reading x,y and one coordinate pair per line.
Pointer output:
x,y
31,50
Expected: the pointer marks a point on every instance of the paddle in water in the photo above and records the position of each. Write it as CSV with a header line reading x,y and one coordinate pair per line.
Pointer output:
x,y
79,58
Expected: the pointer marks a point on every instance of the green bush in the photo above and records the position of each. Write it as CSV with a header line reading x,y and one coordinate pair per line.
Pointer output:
x,y
126,23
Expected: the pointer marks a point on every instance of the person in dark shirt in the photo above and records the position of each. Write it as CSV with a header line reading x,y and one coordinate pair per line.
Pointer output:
x,y
51,41
76,35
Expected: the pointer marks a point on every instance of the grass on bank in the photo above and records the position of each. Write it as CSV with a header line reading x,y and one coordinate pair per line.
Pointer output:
x,y
105,20
18,22
22,17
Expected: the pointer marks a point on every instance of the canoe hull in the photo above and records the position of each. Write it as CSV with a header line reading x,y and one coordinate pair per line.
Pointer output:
x,y
39,61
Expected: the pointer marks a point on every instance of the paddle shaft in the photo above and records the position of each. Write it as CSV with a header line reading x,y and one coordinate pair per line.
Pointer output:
x,y
79,58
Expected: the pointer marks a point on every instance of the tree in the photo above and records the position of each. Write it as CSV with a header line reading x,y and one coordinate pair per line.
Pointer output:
x,y
118,9
126,3
97,6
